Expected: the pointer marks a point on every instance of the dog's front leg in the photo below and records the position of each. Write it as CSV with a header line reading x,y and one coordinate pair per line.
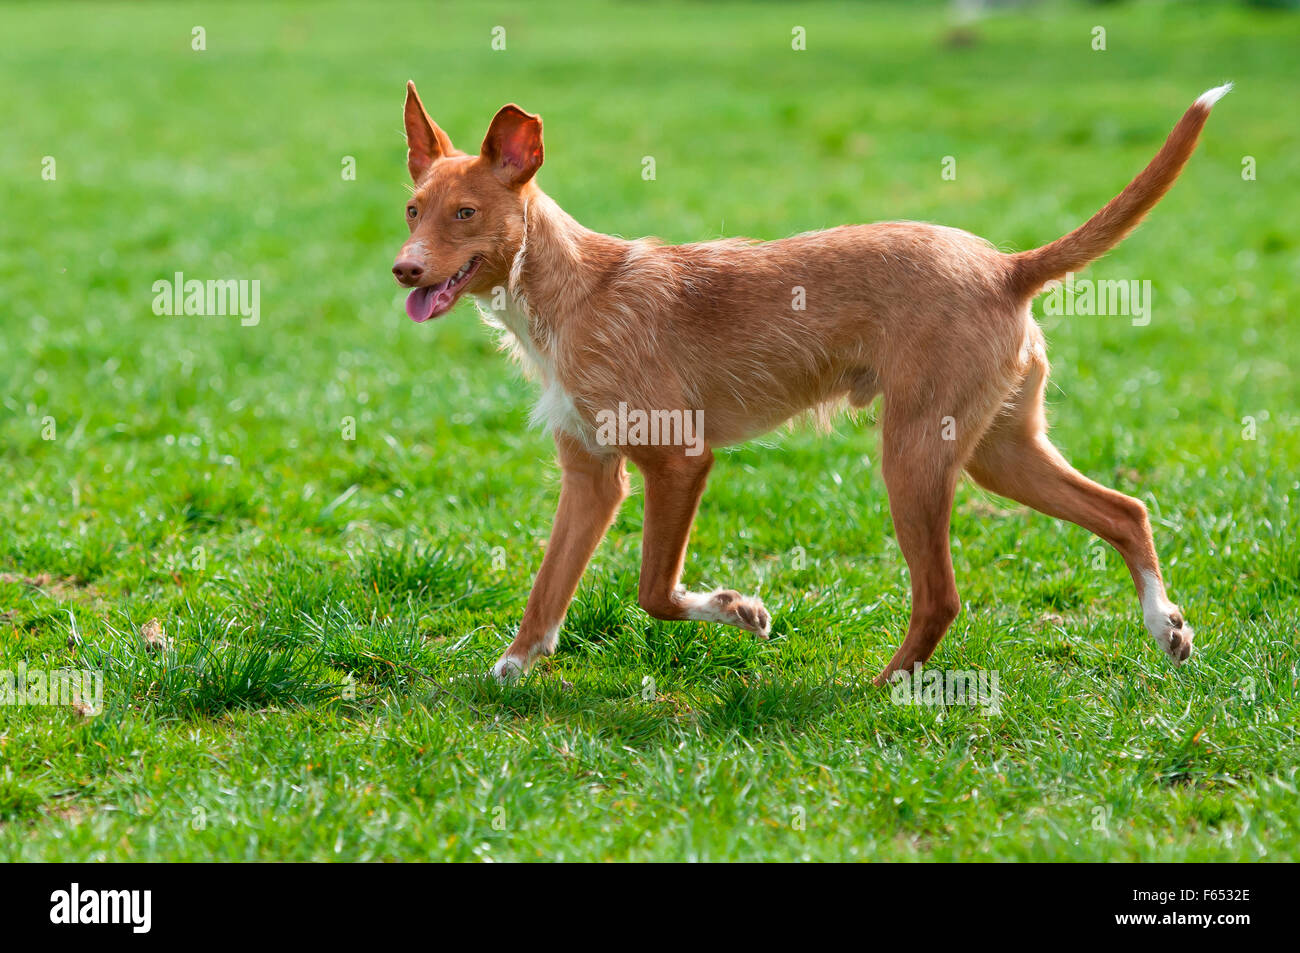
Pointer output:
x,y
673,486
591,489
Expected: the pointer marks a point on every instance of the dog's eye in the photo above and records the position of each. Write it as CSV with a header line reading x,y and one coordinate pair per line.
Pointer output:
x,y
410,211
464,213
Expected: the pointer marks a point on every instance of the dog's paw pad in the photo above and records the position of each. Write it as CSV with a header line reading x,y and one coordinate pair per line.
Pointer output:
x,y
747,613
1174,636
1180,640
755,618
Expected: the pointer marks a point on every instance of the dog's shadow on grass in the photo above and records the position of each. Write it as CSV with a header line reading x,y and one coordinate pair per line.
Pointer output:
x,y
639,714
645,680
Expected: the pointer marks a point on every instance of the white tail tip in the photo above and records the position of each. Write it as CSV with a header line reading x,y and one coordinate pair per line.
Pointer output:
x,y
1212,96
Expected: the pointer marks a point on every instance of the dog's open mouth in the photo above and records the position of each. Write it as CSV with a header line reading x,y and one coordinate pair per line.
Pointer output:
x,y
433,301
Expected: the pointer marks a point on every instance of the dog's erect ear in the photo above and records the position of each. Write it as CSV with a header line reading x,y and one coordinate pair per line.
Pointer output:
x,y
513,145
425,142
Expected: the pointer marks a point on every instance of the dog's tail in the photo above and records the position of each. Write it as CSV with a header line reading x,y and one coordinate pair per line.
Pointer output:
x,y
1031,270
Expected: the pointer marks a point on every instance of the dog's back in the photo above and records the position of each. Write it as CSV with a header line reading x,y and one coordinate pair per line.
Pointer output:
x,y
762,331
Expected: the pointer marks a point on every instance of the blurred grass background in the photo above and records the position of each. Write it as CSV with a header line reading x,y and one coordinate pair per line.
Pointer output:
x,y
198,471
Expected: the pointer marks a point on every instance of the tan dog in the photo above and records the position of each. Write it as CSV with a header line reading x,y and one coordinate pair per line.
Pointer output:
x,y
636,341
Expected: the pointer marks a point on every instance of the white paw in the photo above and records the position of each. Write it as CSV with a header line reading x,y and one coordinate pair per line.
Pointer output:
x,y
729,607
508,670
1165,621
1172,634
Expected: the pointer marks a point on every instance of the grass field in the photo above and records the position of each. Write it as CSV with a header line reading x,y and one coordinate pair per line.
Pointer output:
x,y
333,603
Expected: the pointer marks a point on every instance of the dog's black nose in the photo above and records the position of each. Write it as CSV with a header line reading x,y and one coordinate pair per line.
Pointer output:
x,y
408,270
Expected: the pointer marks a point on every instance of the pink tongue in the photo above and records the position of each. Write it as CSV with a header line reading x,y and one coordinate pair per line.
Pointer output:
x,y
419,304
425,303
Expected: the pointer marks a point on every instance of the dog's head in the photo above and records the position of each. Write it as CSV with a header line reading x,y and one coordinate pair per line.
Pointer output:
x,y
466,213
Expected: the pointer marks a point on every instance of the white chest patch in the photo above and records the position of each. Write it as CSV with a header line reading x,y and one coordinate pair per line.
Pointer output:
x,y
554,410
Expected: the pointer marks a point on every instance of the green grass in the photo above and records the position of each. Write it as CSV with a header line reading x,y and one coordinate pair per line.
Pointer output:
x,y
334,603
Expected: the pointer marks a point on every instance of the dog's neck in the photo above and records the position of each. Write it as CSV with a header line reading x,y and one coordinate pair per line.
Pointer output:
x,y
554,272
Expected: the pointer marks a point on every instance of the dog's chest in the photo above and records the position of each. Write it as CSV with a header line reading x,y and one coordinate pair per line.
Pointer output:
x,y
555,409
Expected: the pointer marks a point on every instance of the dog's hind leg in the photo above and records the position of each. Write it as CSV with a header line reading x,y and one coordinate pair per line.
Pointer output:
x,y
921,471
591,489
674,484
1016,460
927,434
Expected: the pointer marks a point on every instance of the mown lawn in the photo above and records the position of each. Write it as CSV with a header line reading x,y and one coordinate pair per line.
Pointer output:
x,y
333,603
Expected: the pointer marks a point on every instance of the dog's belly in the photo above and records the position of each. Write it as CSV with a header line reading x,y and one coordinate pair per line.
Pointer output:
x,y
729,421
